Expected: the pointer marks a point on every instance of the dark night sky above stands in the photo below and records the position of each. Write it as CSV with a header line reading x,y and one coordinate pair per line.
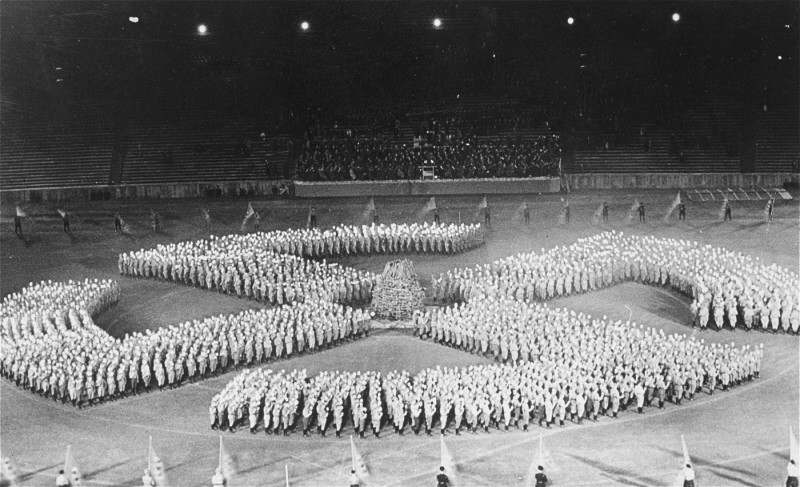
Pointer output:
x,y
255,54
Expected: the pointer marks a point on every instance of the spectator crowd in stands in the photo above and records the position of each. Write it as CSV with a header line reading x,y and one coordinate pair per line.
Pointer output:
x,y
349,159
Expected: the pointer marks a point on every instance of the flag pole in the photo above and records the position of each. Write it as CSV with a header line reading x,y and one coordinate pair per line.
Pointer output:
x,y
287,475
353,452
220,453
66,459
150,455
541,450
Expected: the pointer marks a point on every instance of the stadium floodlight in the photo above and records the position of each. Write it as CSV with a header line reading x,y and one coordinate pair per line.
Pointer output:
x,y
780,58
133,20
570,20
304,25
202,29
437,22
676,17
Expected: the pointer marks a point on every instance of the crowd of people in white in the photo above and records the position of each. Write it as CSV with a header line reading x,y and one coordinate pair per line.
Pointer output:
x,y
557,366
729,289
51,346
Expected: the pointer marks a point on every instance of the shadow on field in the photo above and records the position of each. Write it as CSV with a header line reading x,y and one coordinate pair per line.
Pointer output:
x,y
616,474
52,468
91,474
723,471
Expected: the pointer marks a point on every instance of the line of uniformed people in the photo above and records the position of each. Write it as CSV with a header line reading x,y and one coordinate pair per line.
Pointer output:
x,y
558,365
729,289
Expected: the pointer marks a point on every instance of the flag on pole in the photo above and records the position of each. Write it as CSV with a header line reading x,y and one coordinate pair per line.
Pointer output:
x,y
359,465
371,204
722,209
675,203
686,461
484,204
634,209
287,475
448,462
21,213
431,205
227,466
71,469
250,213
156,467
794,446
598,213
61,212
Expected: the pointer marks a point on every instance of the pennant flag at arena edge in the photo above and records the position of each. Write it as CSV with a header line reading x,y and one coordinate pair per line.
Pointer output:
x,y
484,204
678,482
448,462
431,205
359,465
61,212
227,467
686,458
371,204
71,469
675,203
250,210
21,213
794,446
156,466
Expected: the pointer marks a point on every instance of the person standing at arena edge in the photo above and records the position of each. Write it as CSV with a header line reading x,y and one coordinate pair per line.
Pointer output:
x,y
442,480
217,480
487,217
312,218
436,218
65,220
641,213
526,214
62,480
727,211
354,480
791,474
117,223
688,476
566,212
605,211
147,479
541,478
18,225
681,211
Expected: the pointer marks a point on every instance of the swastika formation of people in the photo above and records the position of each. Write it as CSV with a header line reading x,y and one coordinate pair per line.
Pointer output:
x,y
559,365
729,289
51,346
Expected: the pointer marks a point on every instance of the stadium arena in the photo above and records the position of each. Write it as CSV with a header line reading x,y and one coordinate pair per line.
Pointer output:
x,y
399,244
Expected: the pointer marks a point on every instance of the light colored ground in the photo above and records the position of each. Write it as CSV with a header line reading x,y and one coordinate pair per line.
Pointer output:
x,y
735,438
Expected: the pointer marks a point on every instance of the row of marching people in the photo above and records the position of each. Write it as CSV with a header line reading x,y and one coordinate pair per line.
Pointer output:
x,y
82,364
251,272
575,368
729,289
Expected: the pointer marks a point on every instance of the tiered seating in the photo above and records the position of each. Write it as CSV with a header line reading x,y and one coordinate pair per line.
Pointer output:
x,y
202,149
777,140
37,155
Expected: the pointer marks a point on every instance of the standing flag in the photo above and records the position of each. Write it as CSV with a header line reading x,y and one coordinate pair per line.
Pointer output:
x,y
686,461
598,214
541,450
675,203
634,209
61,212
722,209
308,227
448,462
359,465
794,447
156,467
21,213
484,204
431,205
71,468
371,204
226,464
250,213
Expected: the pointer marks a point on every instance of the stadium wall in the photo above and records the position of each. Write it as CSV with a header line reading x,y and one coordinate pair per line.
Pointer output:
x,y
426,188
142,191
679,180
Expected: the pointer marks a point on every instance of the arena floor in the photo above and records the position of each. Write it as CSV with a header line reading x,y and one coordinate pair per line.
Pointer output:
x,y
735,438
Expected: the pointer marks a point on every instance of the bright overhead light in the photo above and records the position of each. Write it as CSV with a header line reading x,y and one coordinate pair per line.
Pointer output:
x,y
437,22
133,20
202,29
780,58
304,25
570,20
676,17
